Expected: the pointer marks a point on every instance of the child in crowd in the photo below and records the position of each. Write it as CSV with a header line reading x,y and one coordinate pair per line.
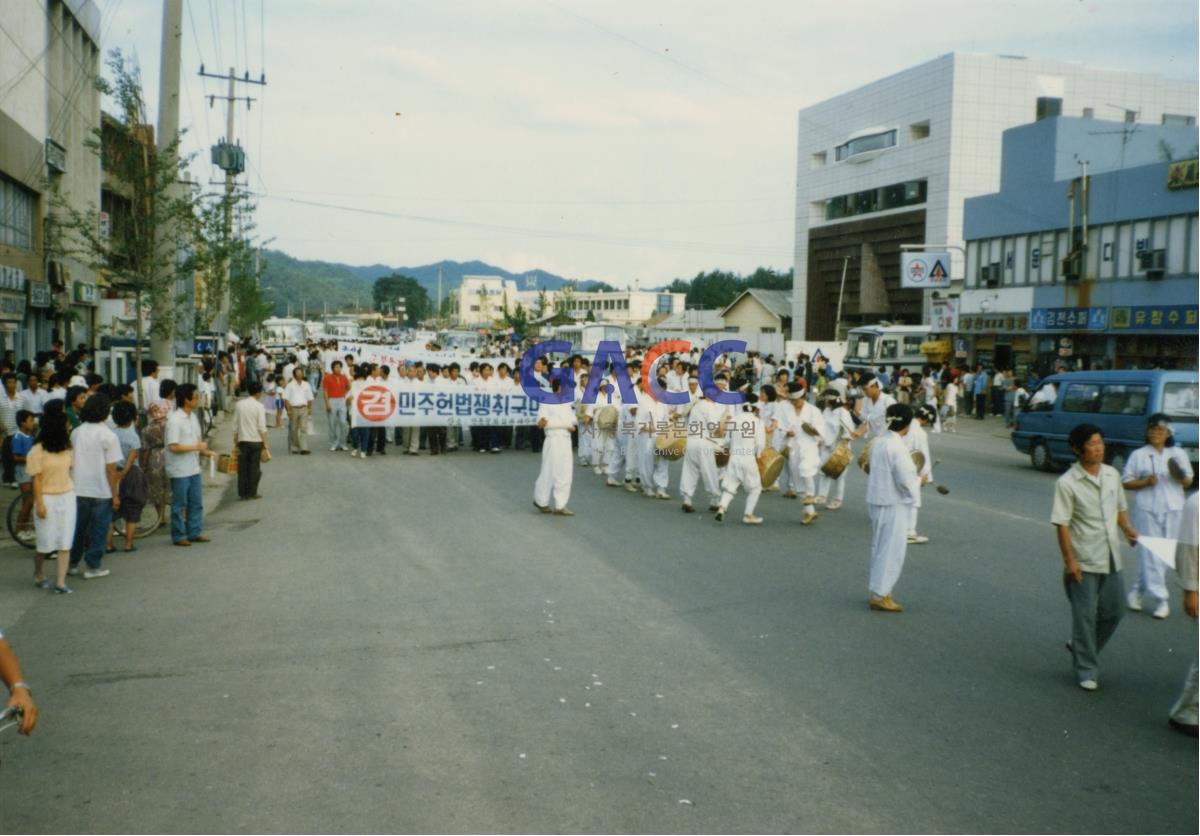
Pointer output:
x,y
22,443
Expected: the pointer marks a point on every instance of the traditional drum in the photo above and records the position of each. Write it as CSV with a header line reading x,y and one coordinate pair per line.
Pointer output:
x,y
722,456
864,458
770,464
672,444
837,461
918,460
607,417
810,429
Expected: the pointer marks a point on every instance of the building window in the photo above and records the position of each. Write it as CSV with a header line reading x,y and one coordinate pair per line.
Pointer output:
x,y
1048,107
766,329
18,207
863,144
918,131
876,200
1176,120
475,308
817,160
1130,117
664,303
1089,112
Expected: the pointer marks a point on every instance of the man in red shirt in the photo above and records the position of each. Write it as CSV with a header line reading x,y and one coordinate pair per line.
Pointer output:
x,y
334,387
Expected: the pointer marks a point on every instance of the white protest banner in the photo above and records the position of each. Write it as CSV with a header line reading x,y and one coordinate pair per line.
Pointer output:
x,y
441,406
407,354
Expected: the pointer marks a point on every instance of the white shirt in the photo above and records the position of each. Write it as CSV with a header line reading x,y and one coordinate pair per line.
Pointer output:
x,y
35,402
893,478
838,425
950,394
917,441
1046,394
747,437
299,393
95,446
149,391
875,414
1165,496
560,418
182,428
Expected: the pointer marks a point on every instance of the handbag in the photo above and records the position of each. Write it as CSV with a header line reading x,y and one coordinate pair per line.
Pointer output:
x,y
264,456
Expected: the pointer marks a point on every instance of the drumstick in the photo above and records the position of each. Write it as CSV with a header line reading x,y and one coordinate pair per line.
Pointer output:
x,y
942,489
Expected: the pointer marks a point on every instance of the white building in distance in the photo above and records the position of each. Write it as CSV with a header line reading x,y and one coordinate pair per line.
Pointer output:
x,y
481,300
891,163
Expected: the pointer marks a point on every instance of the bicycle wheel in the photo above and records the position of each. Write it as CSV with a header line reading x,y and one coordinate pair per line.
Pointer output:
x,y
22,533
147,523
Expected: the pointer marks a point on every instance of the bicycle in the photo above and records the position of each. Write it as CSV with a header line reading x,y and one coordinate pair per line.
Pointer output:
x,y
22,533
145,527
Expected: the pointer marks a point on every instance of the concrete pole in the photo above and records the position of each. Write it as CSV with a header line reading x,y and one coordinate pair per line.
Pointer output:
x,y
222,318
163,349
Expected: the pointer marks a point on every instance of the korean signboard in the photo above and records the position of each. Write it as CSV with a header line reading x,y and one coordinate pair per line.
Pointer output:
x,y
1155,318
1068,319
921,270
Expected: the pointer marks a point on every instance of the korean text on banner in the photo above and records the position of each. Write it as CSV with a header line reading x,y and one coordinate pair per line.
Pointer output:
x,y
441,406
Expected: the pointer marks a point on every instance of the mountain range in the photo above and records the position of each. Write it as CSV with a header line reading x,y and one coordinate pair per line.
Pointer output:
x,y
295,285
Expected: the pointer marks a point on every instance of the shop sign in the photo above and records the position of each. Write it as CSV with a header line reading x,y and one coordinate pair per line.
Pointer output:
x,y
944,316
12,306
86,294
12,278
919,270
1068,319
1183,174
1155,318
1015,323
39,294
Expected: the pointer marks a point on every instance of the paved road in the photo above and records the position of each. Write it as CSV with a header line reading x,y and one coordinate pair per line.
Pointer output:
x,y
404,644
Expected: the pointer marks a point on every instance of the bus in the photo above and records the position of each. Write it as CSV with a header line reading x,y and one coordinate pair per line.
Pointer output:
x,y
871,346
585,337
282,333
342,328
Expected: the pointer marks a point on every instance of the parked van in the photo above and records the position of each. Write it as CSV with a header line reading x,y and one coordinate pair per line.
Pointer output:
x,y
1119,402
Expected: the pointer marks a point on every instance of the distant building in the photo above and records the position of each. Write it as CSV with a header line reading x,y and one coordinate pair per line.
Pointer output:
x,y
1039,291
763,318
49,108
891,163
481,300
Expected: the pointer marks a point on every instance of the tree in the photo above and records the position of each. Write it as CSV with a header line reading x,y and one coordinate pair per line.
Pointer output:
x,y
138,257
599,287
247,305
219,250
387,290
565,301
543,304
518,319
591,317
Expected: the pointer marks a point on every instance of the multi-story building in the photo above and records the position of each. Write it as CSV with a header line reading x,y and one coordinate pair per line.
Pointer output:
x,y
481,300
890,164
1095,272
49,57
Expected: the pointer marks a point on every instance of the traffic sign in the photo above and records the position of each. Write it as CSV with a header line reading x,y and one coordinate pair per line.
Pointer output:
x,y
921,270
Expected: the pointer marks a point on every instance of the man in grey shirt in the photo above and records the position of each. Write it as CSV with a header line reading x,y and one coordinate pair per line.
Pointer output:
x,y
185,446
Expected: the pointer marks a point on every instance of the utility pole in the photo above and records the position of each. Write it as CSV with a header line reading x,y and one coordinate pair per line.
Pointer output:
x,y
837,323
232,160
162,348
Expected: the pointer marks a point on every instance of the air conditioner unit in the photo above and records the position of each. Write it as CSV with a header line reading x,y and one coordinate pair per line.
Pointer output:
x,y
1072,266
1154,262
989,274
56,156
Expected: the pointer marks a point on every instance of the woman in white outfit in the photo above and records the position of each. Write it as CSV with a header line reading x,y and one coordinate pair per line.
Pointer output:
x,y
1158,504
917,441
892,487
839,429
804,459
587,430
747,439
554,479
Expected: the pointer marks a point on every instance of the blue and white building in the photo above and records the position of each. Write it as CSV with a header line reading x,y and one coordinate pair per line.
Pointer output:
x,y
1095,272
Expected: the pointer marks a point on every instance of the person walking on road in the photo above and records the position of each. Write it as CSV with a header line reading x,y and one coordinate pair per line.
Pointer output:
x,y
1089,509
94,472
892,489
298,396
250,439
1183,716
979,390
334,387
556,421
1158,473
185,446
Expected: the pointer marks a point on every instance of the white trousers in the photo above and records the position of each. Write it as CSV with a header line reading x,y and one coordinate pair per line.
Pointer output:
x,y
555,475
616,457
912,520
587,434
630,442
832,488
779,440
889,541
1184,710
1152,572
741,471
602,447
652,467
699,461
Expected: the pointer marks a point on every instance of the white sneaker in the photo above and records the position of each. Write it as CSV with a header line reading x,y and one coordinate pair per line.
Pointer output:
x,y
597,471
649,493
916,539
89,574
1162,610
1089,685
611,483
662,495
333,449
1134,600
750,519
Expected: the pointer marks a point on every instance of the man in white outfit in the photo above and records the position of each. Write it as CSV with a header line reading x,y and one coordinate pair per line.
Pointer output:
x,y
747,439
554,479
892,487
917,441
839,429
805,430
874,408
1158,473
1183,714
653,417
706,429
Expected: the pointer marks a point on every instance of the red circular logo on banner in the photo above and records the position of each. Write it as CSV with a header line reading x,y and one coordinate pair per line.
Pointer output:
x,y
375,403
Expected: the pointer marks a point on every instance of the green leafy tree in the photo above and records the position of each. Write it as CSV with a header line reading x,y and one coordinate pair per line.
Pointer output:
x,y
387,290
518,319
138,256
543,303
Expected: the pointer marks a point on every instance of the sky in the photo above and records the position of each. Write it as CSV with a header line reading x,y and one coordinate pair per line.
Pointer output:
x,y
630,142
